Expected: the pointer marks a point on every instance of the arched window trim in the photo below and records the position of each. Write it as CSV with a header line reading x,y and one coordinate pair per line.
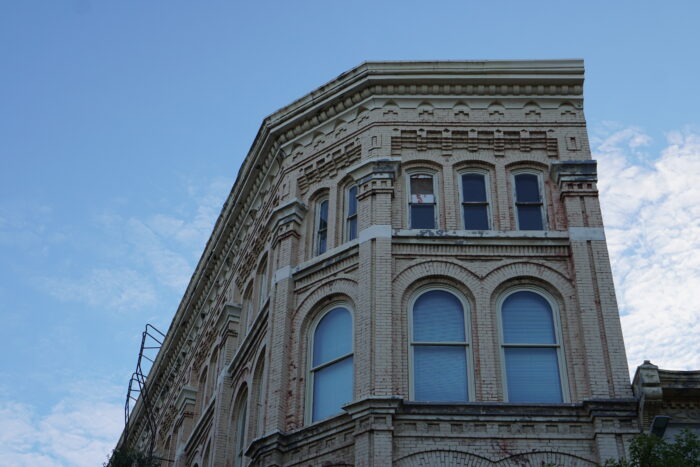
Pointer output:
x,y
466,309
248,306
543,198
309,396
487,186
436,186
561,360
320,248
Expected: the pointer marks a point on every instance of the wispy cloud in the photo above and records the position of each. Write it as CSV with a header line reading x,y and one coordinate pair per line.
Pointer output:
x,y
651,207
80,430
116,289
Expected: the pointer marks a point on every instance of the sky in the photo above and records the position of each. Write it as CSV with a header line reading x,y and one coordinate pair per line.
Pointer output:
x,y
123,125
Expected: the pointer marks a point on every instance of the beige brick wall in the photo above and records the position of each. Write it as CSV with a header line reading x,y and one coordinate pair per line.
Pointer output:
x,y
378,136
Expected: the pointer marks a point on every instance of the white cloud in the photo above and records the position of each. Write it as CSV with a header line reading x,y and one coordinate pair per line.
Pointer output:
x,y
117,289
651,208
76,432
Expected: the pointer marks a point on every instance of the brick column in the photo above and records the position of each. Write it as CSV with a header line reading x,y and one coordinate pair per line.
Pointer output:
x,y
286,221
373,317
606,362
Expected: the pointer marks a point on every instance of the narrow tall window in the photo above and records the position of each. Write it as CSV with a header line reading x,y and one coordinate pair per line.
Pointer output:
x,y
351,219
321,226
439,348
422,202
475,205
528,202
262,282
530,348
241,422
331,365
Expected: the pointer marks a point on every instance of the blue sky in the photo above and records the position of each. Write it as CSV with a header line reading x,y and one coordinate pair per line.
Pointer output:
x,y
123,124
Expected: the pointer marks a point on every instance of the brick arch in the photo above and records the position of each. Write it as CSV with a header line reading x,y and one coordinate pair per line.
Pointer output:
x,y
563,292
455,457
405,284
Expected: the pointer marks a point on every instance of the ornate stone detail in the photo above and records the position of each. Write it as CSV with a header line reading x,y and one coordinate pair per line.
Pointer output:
x,y
328,165
473,141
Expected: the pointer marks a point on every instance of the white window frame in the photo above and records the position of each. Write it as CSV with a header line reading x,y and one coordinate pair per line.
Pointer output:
x,y
347,213
317,225
310,370
561,361
466,310
543,199
436,205
487,186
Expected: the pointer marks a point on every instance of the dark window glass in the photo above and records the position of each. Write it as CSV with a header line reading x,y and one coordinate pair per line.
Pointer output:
x,y
422,216
475,208
473,188
351,224
528,202
322,229
422,202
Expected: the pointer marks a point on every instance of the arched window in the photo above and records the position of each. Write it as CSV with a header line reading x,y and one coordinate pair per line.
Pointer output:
x,y
421,201
528,201
321,233
531,348
247,312
351,214
240,415
331,368
475,204
439,347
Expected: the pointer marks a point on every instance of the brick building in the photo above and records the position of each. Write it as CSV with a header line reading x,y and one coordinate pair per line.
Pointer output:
x,y
410,269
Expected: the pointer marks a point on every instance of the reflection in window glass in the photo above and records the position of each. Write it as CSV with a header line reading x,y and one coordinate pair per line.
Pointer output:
x,y
530,349
422,202
475,205
332,367
439,348
528,202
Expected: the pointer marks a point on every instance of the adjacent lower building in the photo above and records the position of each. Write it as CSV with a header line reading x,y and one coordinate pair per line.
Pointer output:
x,y
411,269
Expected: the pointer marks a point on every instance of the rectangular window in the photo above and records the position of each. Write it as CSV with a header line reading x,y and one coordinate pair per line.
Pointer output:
x,y
422,202
475,205
528,202
322,227
351,220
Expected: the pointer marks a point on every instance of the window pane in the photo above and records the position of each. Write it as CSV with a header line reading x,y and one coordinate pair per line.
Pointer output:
x,y
533,375
530,217
422,216
421,185
321,243
352,201
332,389
527,319
476,217
323,215
333,336
438,317
440,373
473,187
527,188
352,228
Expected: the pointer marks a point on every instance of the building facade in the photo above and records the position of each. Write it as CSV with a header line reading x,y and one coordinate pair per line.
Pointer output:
x,y
411,269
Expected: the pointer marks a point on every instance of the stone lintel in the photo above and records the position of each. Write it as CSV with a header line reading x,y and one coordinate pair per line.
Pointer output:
x,y
581,171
